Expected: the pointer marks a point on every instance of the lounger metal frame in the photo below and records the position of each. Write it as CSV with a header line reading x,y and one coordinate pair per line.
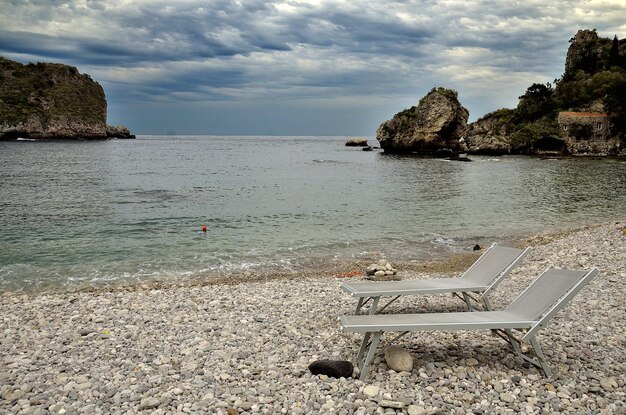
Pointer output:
x,y
503,323
481,292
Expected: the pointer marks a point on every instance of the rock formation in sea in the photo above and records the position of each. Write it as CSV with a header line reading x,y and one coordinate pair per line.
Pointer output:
x,y
52,101
433,127
356,142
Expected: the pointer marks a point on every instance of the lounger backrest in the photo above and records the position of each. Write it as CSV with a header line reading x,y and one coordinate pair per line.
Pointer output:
x,y
496,260
549,292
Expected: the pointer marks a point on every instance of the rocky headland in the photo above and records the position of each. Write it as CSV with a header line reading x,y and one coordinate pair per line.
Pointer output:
x,y
582,113
245,347
52,101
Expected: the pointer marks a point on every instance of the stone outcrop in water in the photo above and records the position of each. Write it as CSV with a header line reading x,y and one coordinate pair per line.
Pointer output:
x,y
118,131
356,142
434,126
489,135
52,101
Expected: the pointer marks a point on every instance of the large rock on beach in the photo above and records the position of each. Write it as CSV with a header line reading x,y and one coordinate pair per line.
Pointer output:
x,y
434,126
398,359
332,368
52,101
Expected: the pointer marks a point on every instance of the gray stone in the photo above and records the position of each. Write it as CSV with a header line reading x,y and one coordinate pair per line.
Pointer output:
x,y
398,359
371,390
149,403
416,410
507,397
391,404
471,361
608,384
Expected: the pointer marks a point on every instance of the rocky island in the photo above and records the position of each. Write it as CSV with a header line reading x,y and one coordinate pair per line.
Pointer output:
x,y
433,127
582,113
52,101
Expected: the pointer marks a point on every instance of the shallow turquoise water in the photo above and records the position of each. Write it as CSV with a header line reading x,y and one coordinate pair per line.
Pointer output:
x,y
73,213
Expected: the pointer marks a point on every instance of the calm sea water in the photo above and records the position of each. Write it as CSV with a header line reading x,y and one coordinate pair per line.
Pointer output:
x,y
74,213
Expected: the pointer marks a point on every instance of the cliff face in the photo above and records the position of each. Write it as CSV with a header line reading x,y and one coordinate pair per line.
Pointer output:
x,y
594,81
433,127
591,53
50,100
489,135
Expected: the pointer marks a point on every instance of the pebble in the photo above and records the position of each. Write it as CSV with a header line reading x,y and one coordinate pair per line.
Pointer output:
x,y
507,397
391,404
246,347
371,390
149,403
415,410
471,362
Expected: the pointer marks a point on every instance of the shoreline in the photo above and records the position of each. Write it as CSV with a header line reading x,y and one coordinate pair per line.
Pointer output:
x,y
244,348
345,268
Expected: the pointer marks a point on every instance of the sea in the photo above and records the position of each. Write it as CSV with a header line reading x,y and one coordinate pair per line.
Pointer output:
x,y
85,213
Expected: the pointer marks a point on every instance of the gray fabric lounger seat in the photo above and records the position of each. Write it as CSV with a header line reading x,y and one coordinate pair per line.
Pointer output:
x,y
481,278
530,312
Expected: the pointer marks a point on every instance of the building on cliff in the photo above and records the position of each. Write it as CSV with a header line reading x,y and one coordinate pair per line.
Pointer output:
x,y
584,125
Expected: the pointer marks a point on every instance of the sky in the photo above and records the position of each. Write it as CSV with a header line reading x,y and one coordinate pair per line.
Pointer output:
x,y
299,67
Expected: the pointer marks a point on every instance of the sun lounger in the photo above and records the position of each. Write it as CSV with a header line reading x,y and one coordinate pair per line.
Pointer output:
x,y
529,313
481,278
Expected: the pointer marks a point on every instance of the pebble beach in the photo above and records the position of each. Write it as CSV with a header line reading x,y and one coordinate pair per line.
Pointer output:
x,y
243,346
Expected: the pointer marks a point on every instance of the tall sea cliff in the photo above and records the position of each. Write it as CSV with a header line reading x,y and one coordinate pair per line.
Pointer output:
x,y
52,101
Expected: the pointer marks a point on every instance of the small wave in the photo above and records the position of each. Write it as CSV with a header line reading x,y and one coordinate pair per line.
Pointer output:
x,y
327,161
444,241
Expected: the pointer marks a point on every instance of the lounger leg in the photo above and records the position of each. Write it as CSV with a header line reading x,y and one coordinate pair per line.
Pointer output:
x,y
359,356
466,298
514,342
540,356
374,305
358,306
538,359
370,355
486,303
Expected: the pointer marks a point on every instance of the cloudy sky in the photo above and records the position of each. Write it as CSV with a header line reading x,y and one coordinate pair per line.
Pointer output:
x,y
299,67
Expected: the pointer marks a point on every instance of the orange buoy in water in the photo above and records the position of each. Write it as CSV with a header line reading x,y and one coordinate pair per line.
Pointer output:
x,y
203,228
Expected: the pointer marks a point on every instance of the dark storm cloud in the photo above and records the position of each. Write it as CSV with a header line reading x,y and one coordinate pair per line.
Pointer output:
x,y
156,51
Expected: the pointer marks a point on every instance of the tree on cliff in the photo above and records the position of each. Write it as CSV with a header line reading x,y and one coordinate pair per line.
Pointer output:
x,y
537,102
614,58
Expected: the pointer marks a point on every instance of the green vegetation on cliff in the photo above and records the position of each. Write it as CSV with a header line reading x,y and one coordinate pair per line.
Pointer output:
x,y
49,99
594,81
50,91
